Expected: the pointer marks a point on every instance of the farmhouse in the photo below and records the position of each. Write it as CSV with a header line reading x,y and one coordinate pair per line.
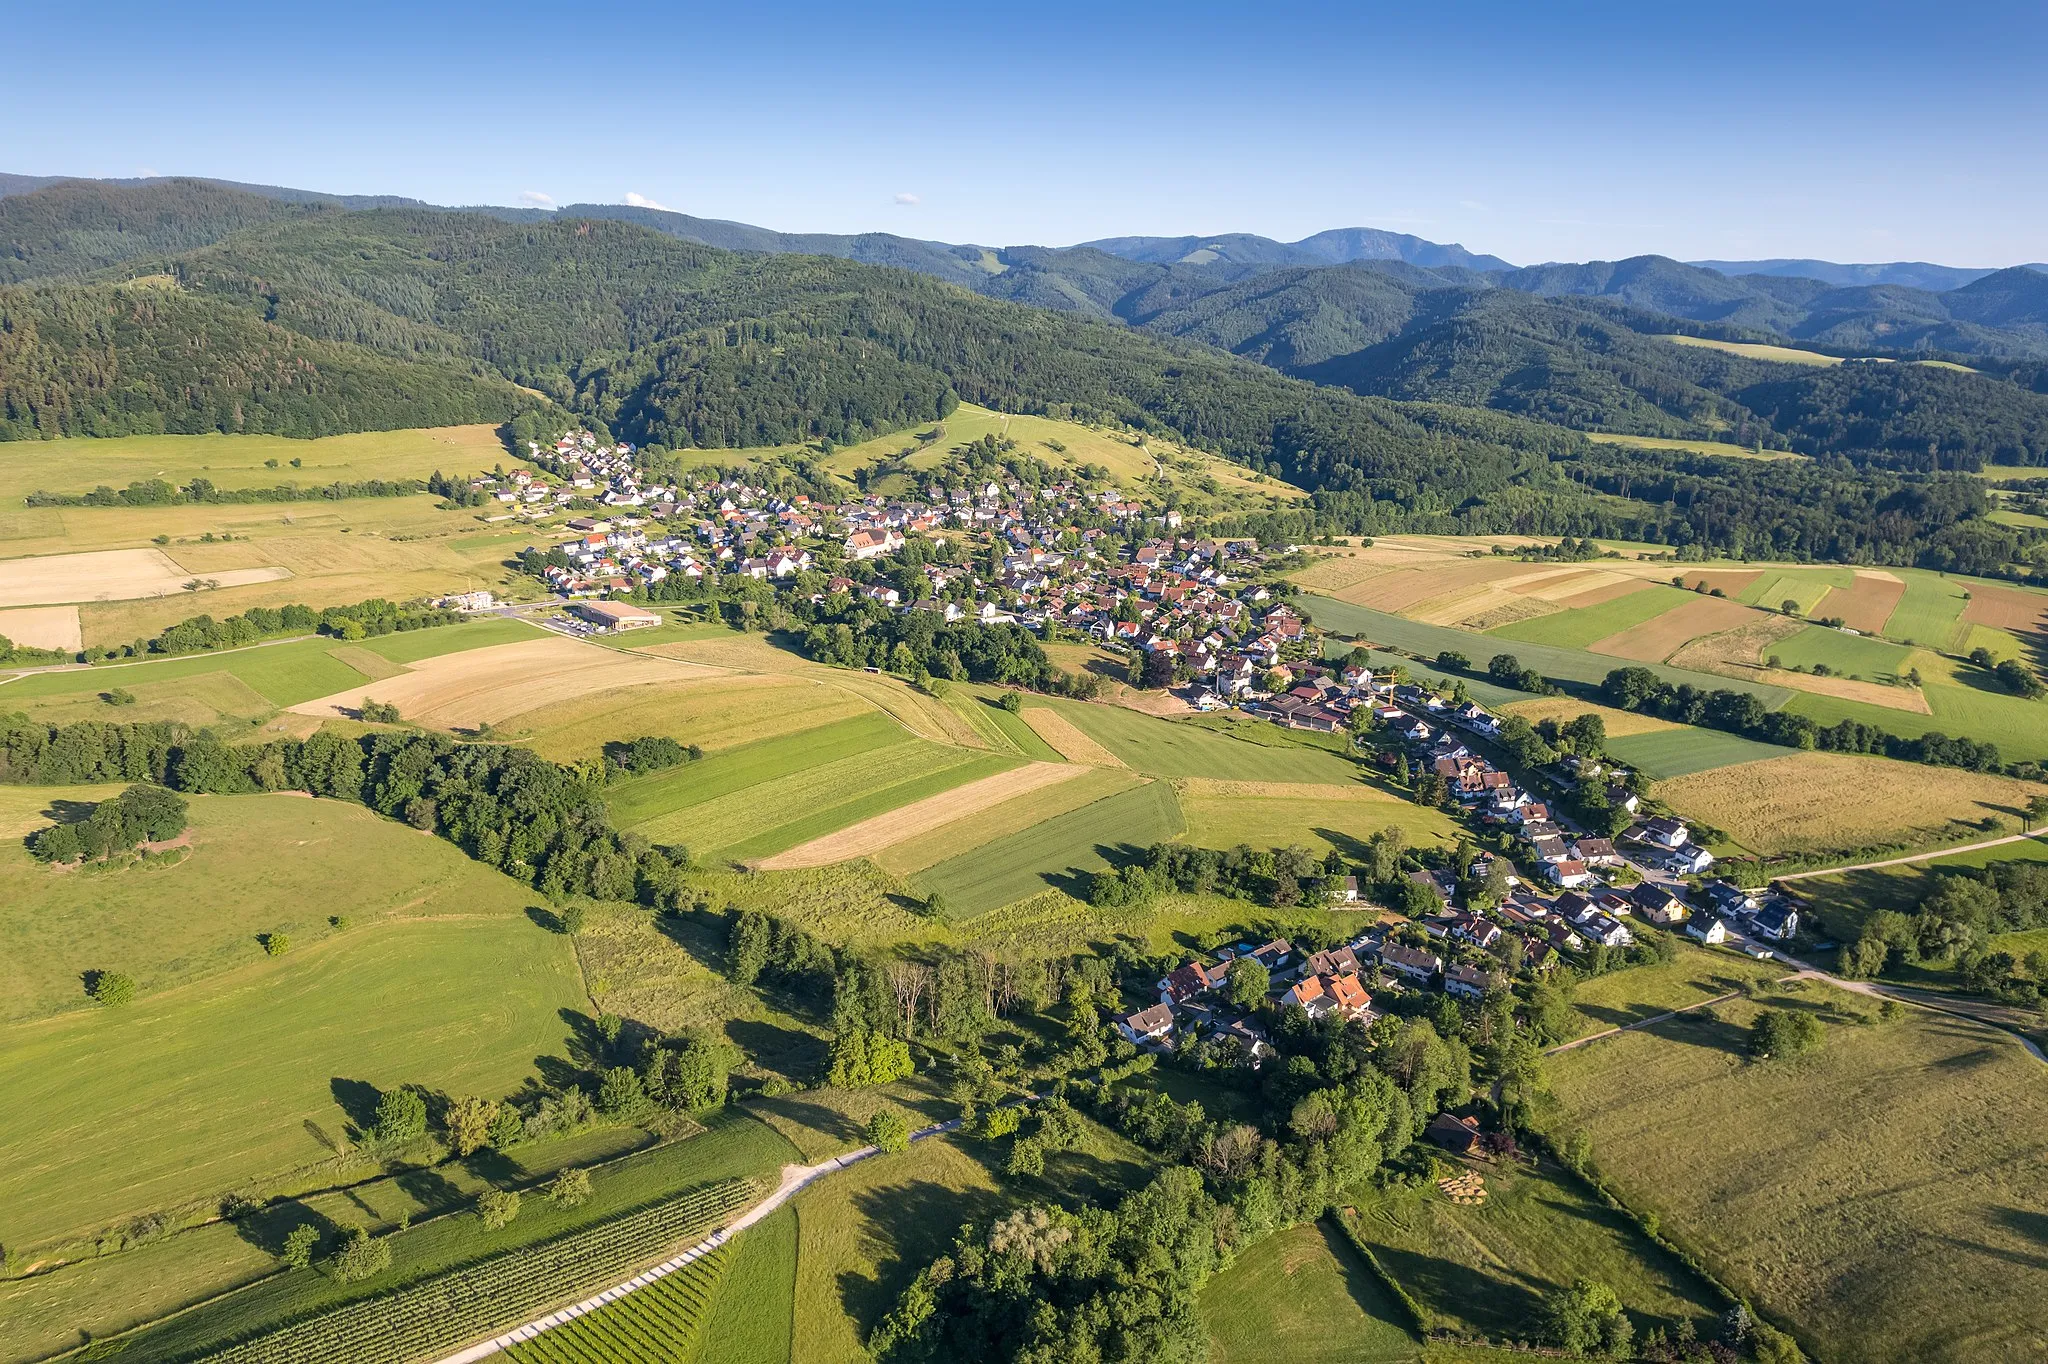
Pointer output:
x,y
1456,1135
615,615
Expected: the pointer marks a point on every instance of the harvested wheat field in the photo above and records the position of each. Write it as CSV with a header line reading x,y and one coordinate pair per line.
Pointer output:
x,y
109,575
1822,801
871,836
492,684
1403,588
1738,652
2007,608
1214,788
43,627
712,710
1563,709
1868,604
1332,573
1733,583
1660,637
1910,699
1066,738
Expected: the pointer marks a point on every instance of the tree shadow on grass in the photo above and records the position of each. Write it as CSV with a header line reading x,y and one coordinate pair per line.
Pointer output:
x,y
268,1226
431,1189
357,1100
699,932
68,811
813,1115
911,1224
1485,1300
792,1053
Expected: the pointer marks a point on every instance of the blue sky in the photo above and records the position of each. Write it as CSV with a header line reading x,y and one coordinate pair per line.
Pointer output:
x,y
1870,131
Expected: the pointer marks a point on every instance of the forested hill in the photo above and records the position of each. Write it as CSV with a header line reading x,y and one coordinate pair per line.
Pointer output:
x,y
113,360
78,226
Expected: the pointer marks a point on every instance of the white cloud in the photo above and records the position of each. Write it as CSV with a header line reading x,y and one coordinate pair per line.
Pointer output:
x,y
148,173
909,200
642,201
536,198
1474,205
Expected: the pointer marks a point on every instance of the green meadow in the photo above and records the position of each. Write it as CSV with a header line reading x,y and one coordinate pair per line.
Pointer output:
x,y
1046,855
1675,752
1853,655
1305,1295
1575,629
1182,748
660,794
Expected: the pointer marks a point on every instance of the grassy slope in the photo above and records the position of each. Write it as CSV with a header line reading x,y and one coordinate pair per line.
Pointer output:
x,y
79,464
1318,823
1173,748
664,793
1676,752
1885,1196
196,1091
1305,1295
1856,655
1046,856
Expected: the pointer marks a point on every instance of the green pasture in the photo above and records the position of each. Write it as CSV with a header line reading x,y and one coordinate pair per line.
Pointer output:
x,y
1850,655
999,728
2019,727
1307,1296
1179,748
937,769
1484,1269
1805,586
1036,860
1931,612
190,1092
1883,1198
1319,825
256,864
1668,753
1558,664
1575,629
750,1315
79,464
1692,976
643,799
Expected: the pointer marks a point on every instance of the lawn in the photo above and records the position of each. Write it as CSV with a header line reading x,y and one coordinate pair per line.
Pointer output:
x,y
1575,629
256,864
111,1114
1675,752
1176,748
1484,1269
1851,655
734,1146
1047,855
1305,1295
1884,1197
79,464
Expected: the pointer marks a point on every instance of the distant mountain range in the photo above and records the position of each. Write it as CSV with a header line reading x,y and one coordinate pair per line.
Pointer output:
x,y
1384,315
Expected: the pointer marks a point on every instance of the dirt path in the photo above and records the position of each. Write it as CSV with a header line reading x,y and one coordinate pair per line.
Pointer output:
x,y
794,1179
1643,1023
1902,861
893,826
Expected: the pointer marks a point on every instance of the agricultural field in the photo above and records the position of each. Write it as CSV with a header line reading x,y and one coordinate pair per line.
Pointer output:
x,y
660,1321
936,814
1749,350
1822,1187
1666,753
1048,855
79,464
1620,724
1305,1294
1581,627
753,1315
110,575
1692,447
1483,1269
1224,814
911,855
1821,801
1170,748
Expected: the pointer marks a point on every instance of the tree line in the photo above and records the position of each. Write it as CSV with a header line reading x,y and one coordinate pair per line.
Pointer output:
x,y
156,492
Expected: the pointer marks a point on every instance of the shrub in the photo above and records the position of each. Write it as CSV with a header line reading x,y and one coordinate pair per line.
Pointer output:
x,y
1783,1033
379,712
401,1117
497,1207
110,988
362,1256
570,919
889,1131
275,944
300,1243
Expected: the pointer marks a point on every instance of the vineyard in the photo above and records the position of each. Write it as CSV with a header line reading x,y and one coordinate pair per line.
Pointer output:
x,y
661,1323
473,1301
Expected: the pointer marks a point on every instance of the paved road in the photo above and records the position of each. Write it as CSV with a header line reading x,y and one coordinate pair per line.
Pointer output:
x,y
794,1179
1902,861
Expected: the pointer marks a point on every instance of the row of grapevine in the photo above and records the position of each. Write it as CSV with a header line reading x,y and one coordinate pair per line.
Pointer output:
x,y
465,1304
658,1324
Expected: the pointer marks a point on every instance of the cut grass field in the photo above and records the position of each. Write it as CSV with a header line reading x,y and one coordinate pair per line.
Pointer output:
x,y
641,800
1883,1198
1821,801
1484,1269
79,464
1185,748
1048,855
1676,752
192,1092
484,686
1013,816
2019,727
752,1315
917,818
1277,815
1718,448
1857,655
1694,974
1305,1295
1931,611
1580,627
1066,738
